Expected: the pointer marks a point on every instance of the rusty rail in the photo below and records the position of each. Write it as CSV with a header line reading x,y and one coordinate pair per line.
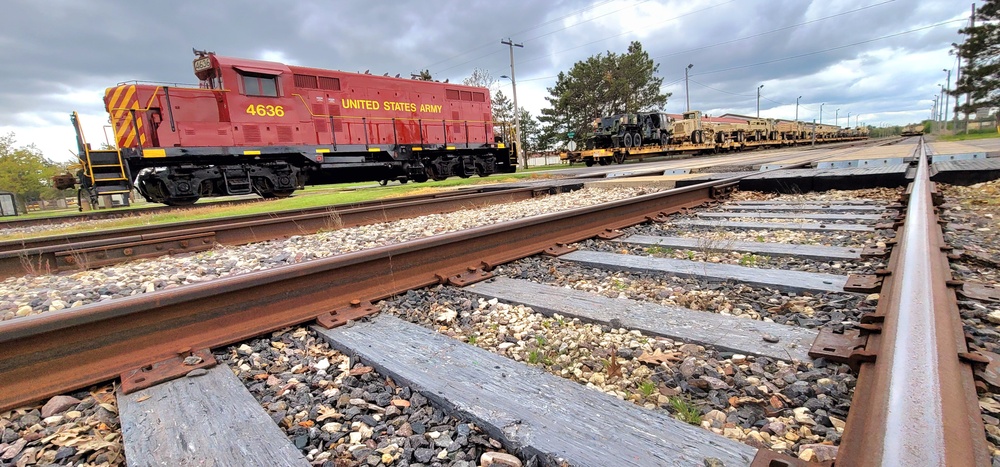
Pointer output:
x,y
58,351
915,402
102,248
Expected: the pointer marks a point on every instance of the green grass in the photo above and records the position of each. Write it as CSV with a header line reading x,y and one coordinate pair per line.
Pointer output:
x,y
313,196
686,411
659,250
971,136
647,388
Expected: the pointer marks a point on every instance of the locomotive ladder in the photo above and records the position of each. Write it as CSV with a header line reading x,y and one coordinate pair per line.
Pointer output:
x,y
103,172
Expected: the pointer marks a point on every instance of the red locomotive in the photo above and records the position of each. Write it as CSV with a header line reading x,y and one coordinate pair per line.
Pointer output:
x,y
268,128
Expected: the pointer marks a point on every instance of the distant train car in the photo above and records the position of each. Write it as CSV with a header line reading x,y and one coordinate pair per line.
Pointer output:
x,y
268,128
915,129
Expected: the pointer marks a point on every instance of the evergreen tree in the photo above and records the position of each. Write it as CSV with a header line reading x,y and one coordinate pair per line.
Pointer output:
x,y
980,53
602,85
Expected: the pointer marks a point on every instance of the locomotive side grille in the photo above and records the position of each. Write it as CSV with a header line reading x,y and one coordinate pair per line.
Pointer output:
x,y
321,126
452,94
306,81
456,127
251,133
188,132
330,84
338,123
285,134
478,97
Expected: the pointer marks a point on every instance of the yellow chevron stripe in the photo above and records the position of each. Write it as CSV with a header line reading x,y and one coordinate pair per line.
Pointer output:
x,y
128,141
123,124
113,102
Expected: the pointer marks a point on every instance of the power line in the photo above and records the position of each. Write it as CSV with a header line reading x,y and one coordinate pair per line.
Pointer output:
x,y
829,49
627,32
490,44
546,34
720,90
773,30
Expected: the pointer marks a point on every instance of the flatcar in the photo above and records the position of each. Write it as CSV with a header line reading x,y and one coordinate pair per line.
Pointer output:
x,y
268,128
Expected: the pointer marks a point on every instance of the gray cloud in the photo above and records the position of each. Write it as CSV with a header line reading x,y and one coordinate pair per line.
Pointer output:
x,y
58,56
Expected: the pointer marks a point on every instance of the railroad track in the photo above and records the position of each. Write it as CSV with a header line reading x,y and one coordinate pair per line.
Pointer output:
x,y
89,250
147,338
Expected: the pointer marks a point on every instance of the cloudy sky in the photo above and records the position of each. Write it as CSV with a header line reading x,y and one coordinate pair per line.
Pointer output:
x,y
880,59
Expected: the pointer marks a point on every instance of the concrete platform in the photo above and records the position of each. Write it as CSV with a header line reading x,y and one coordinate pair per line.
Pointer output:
x,y
804,180
966,172
950,151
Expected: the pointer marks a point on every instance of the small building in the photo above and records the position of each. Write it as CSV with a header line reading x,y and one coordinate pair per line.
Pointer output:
x,y
8,204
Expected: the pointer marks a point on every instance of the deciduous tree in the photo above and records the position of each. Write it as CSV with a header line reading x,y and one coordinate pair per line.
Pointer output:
x,y
24,171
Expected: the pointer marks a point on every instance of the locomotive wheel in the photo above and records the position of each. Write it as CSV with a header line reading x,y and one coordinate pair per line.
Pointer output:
x,y
180,201
628,140
420,178
637,140
603,161
433,174
383,182
403,180
589,162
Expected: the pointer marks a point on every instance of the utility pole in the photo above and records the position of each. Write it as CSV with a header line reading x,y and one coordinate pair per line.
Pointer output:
x,y
517,110
947,89
848,120
934,109
972,24
797,109
758,100
820,115
687,91
836,118
941,107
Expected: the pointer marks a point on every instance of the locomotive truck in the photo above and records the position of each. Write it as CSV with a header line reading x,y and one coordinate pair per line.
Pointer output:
x,y
263,127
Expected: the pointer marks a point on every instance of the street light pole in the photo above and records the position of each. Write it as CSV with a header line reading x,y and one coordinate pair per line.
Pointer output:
x,y
946,96
517,110
821,113
758,100
687,90
848,119
836,118
797,108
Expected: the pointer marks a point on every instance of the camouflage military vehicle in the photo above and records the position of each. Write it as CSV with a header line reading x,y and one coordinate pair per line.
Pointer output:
x,y
631,130
690,129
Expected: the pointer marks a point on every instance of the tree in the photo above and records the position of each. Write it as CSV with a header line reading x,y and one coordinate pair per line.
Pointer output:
x,y
602,85
980,53
503,116
480,77
531,133
24,171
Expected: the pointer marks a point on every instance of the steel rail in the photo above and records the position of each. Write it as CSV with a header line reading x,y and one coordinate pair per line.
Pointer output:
x,y
915,401
53,352
95,249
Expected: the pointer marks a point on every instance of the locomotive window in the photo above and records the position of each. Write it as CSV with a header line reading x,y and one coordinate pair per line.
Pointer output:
x,y
478,97
260,85
466,96
451,94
